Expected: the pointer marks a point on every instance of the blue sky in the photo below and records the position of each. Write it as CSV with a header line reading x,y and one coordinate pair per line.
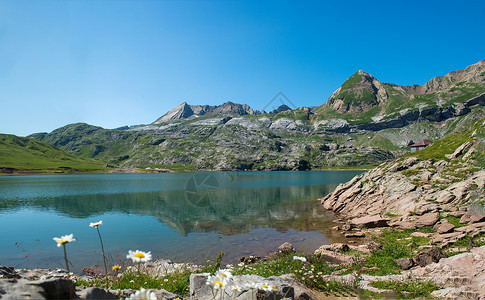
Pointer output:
x,y
115,63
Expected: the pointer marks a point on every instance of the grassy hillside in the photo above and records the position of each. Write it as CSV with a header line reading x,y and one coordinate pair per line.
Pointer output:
x,y
26,154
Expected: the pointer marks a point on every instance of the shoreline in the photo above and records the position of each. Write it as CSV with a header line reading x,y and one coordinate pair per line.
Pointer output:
x,y
137,171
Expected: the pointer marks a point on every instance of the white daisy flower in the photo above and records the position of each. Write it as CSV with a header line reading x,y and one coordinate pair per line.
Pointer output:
x,y
143,295
95,224
303,259
64,239
139,256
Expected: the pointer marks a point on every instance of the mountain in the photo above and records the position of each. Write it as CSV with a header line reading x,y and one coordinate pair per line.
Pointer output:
x,y
186,111
363,99
365,122
19,154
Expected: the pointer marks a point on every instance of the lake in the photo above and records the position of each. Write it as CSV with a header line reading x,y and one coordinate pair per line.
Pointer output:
x,y
180,216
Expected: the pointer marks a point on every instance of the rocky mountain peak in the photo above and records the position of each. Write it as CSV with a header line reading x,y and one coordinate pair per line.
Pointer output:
x,y
186,111
182,111
360,93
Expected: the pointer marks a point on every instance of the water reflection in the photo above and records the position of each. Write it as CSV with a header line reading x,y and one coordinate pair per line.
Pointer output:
x,y
174,215
201,202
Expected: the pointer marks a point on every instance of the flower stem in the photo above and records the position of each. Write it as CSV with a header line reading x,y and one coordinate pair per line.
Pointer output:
x,y
102,250
65,257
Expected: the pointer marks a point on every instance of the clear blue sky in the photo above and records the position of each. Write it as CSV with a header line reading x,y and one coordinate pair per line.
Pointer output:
x,y
114,63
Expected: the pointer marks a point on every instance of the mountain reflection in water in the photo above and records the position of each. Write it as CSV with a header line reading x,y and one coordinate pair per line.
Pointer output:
x,y
205,210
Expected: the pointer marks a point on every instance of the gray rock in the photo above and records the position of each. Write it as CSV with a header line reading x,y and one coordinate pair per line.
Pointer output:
x,y
405,263
95,293
8,272
20,289
428,256
55,288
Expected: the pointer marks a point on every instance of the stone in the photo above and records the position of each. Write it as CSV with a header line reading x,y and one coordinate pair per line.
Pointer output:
x,y
461,275
471,218
8,272
54,288
285,247
426,209
405,263
404,225
370,221
20,289
57,288
95,293
335,257
346,227
428,219
337,247
443,227
419,234
428,256
457,214
357,234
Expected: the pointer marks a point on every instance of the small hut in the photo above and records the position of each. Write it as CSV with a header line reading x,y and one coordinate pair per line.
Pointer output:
x,y
420,145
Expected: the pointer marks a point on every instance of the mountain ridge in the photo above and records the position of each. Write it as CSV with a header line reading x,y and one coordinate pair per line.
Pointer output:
x,y
365,122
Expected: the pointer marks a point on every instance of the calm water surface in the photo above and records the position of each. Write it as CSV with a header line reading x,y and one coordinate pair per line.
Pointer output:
x,y
181,216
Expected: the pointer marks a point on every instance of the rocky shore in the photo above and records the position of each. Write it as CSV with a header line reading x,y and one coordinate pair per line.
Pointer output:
x,y
440,200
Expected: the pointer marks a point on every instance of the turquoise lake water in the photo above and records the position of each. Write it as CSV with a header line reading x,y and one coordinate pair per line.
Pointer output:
x,y
180,216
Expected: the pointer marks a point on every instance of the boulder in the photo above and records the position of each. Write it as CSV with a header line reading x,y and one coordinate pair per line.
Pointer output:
x,y
457,214
428,219
428,256
443,227
336,247
404,225
95,293
405,263
55,288
336,257
20,289
370,221
426,209
8,272
285,247
471,218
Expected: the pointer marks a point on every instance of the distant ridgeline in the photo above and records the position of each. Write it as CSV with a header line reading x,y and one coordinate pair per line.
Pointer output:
x,y
363,123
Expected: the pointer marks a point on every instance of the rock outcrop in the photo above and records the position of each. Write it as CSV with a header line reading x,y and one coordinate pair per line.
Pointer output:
x,y
397,189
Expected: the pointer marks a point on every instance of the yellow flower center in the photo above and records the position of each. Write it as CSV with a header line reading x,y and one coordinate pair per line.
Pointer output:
x,y
218,283
116,268
265,286
140,255
224,274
